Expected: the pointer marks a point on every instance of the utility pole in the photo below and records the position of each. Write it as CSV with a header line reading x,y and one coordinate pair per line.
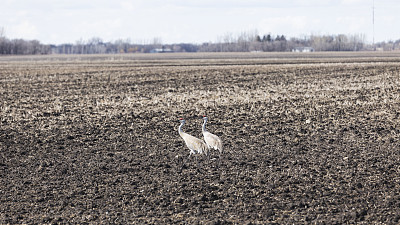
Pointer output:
x,y
373,24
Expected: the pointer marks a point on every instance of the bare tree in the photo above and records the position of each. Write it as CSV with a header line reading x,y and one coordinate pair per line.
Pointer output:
x,y
2,41
2,32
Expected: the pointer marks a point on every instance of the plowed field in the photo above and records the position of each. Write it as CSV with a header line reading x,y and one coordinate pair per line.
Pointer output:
x,y
308,138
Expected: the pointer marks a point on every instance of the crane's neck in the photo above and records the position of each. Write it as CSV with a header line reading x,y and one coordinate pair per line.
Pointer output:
x,y
180,129
204,126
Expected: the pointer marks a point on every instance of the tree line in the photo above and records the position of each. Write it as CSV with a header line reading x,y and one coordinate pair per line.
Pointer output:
x,y
243,42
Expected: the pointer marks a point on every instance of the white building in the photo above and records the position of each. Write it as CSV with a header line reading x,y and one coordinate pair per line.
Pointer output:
x,y
303,49
161,50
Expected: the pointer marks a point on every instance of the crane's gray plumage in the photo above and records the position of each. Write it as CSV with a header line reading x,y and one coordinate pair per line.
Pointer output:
x,y
196,146
212,140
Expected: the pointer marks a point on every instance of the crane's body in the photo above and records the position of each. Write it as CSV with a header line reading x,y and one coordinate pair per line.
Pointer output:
x,y
196,146
212,140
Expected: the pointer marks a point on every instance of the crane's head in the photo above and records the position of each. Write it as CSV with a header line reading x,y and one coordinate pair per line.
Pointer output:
x,y
205,117
181,120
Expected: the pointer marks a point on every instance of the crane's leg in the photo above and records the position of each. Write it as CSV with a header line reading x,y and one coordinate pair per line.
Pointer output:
x,y
208,157
220,160
197,162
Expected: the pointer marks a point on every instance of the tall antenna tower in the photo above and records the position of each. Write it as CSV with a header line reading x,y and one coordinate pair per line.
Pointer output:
x,y
373,23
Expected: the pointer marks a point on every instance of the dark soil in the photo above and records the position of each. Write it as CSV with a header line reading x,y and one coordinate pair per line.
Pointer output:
x,y
96,141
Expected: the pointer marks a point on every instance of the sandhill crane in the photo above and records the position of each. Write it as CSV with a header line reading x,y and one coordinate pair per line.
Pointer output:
x,y
196,146
212,140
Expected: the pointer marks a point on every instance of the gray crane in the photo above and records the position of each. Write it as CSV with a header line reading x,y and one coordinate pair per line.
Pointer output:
x,y
212,140
196,146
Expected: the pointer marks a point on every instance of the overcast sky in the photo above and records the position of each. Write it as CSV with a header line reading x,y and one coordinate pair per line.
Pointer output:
x,y
194,21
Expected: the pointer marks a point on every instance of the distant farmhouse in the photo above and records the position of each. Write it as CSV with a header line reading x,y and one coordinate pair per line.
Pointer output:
x,y
303,49
161,50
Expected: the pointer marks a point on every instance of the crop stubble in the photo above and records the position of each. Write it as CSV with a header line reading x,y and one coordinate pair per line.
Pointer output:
x,y
308,138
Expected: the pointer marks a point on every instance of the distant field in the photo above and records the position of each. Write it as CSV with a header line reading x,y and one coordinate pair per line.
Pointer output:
x,y
309,138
